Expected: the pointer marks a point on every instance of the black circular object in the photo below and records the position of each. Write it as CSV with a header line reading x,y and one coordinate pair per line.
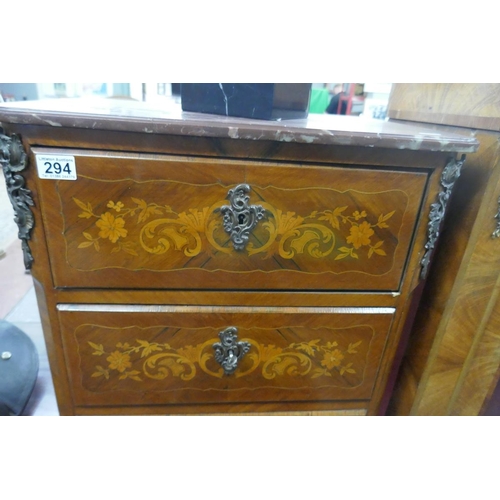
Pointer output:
x,y
18,369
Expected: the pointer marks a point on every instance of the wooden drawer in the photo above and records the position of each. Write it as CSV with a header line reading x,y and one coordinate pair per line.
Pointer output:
x,y
151,221
164,355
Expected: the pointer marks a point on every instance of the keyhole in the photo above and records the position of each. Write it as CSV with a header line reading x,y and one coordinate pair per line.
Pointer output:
x,y
241,219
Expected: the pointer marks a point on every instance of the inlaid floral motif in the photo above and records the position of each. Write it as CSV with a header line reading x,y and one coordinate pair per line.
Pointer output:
x,y
119,361
160,360
159,229
360,233
111,227
332,359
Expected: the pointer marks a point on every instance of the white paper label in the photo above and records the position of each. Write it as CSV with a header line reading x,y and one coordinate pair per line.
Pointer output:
x,y
56,167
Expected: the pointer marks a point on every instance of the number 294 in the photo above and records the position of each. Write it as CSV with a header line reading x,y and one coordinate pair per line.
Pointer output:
x,y
57,168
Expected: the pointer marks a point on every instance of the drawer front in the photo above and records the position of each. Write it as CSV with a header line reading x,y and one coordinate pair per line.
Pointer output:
x,y
148,355
138,221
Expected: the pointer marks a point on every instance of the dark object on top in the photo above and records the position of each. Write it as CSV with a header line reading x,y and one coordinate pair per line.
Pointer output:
x,y
265,101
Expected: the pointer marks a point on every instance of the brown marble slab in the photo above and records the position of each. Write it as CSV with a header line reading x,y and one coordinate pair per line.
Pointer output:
x,y
135,116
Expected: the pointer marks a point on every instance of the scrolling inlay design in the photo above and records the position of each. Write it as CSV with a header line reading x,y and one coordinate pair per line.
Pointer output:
x,y
13,160
450,174
158,361
289,233
240,218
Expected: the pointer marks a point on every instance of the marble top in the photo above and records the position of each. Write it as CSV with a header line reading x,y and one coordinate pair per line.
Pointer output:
x,y
135,116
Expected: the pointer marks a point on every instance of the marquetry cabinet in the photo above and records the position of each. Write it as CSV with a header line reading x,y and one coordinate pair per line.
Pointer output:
x,y
193,264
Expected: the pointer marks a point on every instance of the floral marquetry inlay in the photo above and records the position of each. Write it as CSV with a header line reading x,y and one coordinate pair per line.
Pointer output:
x,y
161,360
159,229
340,360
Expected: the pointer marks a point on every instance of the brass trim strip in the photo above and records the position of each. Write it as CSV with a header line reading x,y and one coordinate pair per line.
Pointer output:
x,y
133,308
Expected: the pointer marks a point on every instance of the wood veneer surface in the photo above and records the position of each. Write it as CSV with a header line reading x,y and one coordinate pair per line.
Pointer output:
x,y
452,363
471,105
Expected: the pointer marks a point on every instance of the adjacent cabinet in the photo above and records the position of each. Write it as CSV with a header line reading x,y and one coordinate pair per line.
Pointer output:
x,y
452,365
194,264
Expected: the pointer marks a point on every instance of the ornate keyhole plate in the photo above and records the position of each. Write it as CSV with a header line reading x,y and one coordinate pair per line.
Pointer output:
x,y
240,217
229,350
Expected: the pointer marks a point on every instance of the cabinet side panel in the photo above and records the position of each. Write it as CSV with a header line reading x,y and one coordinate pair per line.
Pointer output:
x,y
458,299
473,105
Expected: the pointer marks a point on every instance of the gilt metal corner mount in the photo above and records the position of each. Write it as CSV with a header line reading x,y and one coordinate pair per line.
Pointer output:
x,y
450,174
13,160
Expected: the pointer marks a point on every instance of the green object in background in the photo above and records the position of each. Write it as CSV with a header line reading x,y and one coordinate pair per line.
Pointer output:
x,y
320,98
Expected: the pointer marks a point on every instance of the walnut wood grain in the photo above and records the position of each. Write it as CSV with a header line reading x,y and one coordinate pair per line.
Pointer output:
x,y
472,105
465,347
297,408
229,297
452,363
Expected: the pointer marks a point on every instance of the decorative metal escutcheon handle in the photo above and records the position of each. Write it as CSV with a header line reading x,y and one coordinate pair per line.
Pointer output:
x,y
229,350
240,217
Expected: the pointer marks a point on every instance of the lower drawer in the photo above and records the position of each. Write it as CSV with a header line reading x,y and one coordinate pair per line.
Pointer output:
x,y
180,355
